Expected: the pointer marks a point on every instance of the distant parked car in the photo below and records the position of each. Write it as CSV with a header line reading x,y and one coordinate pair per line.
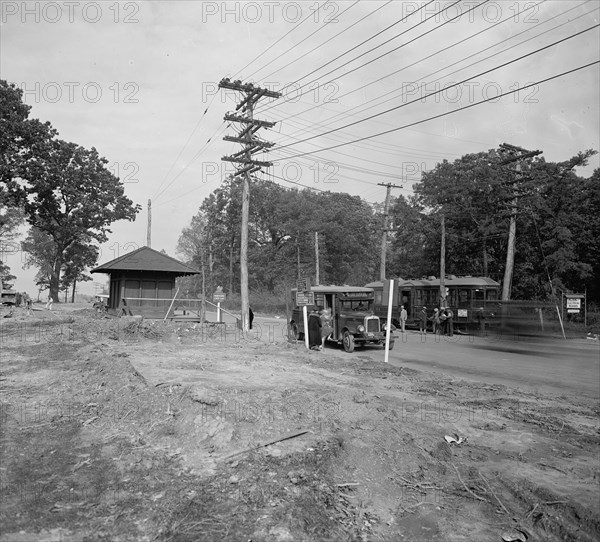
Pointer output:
x,y
9,298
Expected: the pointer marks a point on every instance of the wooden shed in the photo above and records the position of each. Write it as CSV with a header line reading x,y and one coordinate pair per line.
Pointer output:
x,y
143,282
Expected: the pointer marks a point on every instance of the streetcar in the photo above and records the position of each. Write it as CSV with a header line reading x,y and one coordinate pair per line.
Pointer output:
x,y
472,299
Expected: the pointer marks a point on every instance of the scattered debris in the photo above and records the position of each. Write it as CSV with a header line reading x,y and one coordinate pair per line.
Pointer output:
x,y
455,439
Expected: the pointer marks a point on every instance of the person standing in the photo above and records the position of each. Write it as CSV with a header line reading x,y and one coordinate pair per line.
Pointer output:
x,y
314,329
443,321
450,322
250,317
326,326
435,321
403,318
27,300
49,303
423,320
481,321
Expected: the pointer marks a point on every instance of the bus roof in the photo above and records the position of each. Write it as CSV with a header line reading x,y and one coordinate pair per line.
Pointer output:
x,y
455,281
338,289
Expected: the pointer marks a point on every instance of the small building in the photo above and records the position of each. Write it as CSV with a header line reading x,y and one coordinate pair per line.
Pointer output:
x,y
142,282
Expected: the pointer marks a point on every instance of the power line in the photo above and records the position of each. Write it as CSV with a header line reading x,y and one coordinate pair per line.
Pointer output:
x,y
384,43
282,37
300,43
362,43
222,127
330,39
444,49
442,90
448,112
184,146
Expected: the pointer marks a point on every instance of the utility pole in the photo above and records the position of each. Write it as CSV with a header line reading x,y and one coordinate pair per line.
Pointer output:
x,y
515,154
386,208
443,264
317,257
149,230
251,145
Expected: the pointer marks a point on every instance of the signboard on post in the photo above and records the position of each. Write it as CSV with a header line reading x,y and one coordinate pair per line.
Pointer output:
x,y
303,284
304,299
219,295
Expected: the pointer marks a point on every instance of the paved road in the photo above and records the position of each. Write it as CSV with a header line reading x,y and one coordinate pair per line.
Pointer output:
x,y
556,366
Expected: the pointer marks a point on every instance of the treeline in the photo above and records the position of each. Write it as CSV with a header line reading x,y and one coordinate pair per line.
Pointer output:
x,y
557,247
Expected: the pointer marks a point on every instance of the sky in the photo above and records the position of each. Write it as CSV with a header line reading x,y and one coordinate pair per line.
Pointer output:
x,y
139,82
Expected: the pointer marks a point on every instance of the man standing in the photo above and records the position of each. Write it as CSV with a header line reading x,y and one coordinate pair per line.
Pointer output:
x,y
423,320
443,321
403,317
450,322
314,329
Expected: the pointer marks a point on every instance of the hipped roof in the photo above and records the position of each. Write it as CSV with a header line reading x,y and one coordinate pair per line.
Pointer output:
x,y
146,259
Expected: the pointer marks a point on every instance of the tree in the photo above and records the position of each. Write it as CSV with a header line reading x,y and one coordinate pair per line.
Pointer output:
x,y
72,198
21,139
66,191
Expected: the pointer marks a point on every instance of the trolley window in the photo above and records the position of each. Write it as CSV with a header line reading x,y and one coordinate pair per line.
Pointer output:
x,y
492,295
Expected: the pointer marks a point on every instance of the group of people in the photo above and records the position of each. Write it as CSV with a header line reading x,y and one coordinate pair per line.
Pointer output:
x,y
320,327
442,321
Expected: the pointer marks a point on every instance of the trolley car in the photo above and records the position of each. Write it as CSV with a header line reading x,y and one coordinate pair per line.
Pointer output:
x,y
470,298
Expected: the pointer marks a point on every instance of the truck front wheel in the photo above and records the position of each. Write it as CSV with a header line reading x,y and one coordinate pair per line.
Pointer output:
x,y
348,341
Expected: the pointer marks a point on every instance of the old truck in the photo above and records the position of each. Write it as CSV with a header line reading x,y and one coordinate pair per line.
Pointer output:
x,y
354,322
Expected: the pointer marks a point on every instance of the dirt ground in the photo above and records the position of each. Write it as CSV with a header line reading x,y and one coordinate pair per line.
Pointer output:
x,y
116,430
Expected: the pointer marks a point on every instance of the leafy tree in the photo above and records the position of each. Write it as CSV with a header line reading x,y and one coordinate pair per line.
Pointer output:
x,y
72,198
66,191
21,139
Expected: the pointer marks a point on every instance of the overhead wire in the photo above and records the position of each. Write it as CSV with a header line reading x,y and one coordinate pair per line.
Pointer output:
x,y
448,112
329,40
363,42
295,27
329,120
441,90
299,43
443,49
348,72
184,147
194,158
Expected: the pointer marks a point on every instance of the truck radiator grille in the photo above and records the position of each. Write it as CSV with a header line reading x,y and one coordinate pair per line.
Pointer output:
x,y
372,324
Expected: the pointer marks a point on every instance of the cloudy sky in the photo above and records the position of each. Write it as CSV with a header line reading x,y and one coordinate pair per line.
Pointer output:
x,y
138,81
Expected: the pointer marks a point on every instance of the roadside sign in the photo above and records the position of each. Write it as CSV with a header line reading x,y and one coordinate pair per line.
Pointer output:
x,y
303,284
305,298
573,302
219,295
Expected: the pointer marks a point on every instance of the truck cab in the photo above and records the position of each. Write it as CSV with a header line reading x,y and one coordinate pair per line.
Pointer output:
x,y
354,322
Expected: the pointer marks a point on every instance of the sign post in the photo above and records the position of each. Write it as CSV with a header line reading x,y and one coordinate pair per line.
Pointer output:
x,y
304,298
388,327
218,297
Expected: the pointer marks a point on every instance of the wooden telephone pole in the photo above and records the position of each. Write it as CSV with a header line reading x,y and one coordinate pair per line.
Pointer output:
x,y
515,154
443,264
386,208
251,145
149,230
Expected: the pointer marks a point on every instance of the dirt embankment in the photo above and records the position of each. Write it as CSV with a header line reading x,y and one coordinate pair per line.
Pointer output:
x,y
115,431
